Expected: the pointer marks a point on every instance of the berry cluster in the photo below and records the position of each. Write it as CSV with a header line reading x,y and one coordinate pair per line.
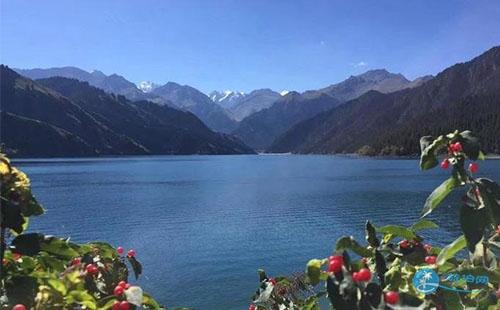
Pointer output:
x,y
455,149
118,292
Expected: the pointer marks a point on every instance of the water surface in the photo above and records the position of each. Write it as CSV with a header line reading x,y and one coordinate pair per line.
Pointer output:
x,y
203,225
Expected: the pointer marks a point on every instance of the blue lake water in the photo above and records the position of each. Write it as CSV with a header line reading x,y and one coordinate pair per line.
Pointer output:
x,y
203,225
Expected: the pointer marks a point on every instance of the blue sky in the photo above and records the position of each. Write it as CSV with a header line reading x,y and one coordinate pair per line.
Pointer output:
x,y
244,45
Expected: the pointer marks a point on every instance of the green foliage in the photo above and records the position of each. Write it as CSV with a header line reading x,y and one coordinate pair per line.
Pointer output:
x,y
47,272
394,253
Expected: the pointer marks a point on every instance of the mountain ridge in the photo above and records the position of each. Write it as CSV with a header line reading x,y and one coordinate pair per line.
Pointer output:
x,y
463,96
110,124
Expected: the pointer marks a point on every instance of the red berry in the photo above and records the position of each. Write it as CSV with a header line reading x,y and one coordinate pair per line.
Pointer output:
x,y
498,293
252,307
131,253
272,281
116,305
122,284
445,163
430,260
355,276
391,297
364,275
76,261
124,305
473,167
335,266
404,244
118,291
19,307
498,230
91,269
339,258
16,256
456,147
427,248
119,250
127,286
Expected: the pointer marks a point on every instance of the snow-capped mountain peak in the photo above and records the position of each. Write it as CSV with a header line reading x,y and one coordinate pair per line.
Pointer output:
x,y
147,86
284,92
226,97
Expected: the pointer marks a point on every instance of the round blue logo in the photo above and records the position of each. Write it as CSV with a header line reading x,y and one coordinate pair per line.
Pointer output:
x,y
426,281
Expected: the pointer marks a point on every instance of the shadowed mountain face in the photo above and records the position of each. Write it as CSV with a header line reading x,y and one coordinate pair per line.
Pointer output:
x,y
84,120
190,99
464,96
262,128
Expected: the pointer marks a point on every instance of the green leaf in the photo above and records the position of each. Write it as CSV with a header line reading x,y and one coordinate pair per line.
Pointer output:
x,y
380,267
348,243
473,222
58,285
104,249
451,249
399,231
481,156
490,194
149,303
31,207
423,224
136,266
28,244
58,247
81,297
393,275
470,144
439,194
313,270
429,148
311,303
371,236
12,217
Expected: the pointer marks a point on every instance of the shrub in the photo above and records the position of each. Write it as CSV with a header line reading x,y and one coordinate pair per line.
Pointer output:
x,y
46,272
381,273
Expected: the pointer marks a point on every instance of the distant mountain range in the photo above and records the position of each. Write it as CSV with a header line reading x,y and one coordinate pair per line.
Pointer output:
x,y
377,112
182,97
260,129
464,96
65,117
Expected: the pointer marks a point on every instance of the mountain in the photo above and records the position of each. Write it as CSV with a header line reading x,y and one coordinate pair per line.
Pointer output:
x,y
240,105
226,99
190,99
464,96
66,117
113,83
183,97
259,130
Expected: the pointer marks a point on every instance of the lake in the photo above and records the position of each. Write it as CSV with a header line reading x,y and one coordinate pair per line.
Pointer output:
x,y
203,225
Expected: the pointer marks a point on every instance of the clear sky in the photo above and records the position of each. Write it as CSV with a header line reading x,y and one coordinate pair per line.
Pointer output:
x,y
244,45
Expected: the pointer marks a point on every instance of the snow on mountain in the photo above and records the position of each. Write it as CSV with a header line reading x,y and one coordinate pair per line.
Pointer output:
x,y
284,92
227,98
147,86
